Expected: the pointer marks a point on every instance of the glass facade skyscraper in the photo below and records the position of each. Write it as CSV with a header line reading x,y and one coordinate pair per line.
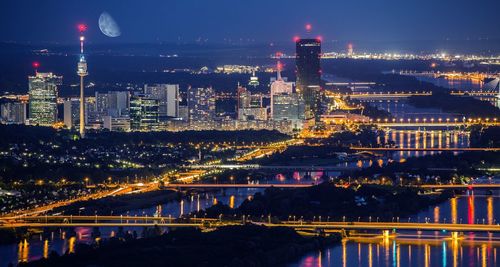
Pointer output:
x,y
168,97
288,107
43,98
308,55
143,113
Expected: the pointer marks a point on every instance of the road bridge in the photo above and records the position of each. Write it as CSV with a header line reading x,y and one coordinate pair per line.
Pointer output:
x,y
111,221
273,167
475,93
198,186
430,124
440,149
460,186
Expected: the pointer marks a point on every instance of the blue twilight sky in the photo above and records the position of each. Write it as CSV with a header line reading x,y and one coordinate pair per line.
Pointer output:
x,y
260,20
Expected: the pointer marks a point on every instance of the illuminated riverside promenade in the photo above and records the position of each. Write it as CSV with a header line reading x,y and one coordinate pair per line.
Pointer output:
x,y
130,221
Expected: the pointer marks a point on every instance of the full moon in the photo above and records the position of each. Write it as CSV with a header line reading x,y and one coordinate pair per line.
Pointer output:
x,y
108,25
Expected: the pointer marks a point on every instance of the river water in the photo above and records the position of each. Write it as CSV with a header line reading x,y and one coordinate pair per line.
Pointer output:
x,y
425,248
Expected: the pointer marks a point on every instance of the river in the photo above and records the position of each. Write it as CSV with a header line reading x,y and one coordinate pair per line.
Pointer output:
x,y
425,248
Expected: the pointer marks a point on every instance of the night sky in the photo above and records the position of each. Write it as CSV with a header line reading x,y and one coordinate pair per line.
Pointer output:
x,y
259,20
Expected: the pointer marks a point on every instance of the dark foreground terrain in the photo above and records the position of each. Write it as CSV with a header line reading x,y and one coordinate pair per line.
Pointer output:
x,y
228,246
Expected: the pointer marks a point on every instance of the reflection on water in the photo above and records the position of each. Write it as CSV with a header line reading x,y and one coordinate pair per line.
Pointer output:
x,y
401,109
425,248
461,84
405,252
423,138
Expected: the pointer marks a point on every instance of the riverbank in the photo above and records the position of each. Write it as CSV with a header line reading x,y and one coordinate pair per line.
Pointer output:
x,y
248,245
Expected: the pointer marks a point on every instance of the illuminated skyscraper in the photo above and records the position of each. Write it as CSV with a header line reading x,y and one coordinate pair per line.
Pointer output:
x,y
288,107
308,53
71,113
143,113
279,86
201,105
168,97
43,98
250,106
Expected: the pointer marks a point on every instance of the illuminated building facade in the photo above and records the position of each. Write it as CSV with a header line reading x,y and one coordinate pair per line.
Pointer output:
x,y
279,86
201,105
72,113
43,94
144,113
308,54
250,106
289,107
168,98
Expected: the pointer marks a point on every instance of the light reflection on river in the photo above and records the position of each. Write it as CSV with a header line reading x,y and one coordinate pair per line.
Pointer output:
x,y
424,248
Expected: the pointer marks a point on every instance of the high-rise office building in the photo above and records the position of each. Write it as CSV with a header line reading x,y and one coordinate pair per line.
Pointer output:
x,y
43,98
288,107
101,105
13,113
72,113
279,86
308,54
143,113
118,103
168,97
112,103
250,106
201,104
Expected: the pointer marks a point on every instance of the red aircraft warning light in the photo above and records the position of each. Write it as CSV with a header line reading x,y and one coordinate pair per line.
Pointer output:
x,y
82,27
36,65
308,27
296,39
